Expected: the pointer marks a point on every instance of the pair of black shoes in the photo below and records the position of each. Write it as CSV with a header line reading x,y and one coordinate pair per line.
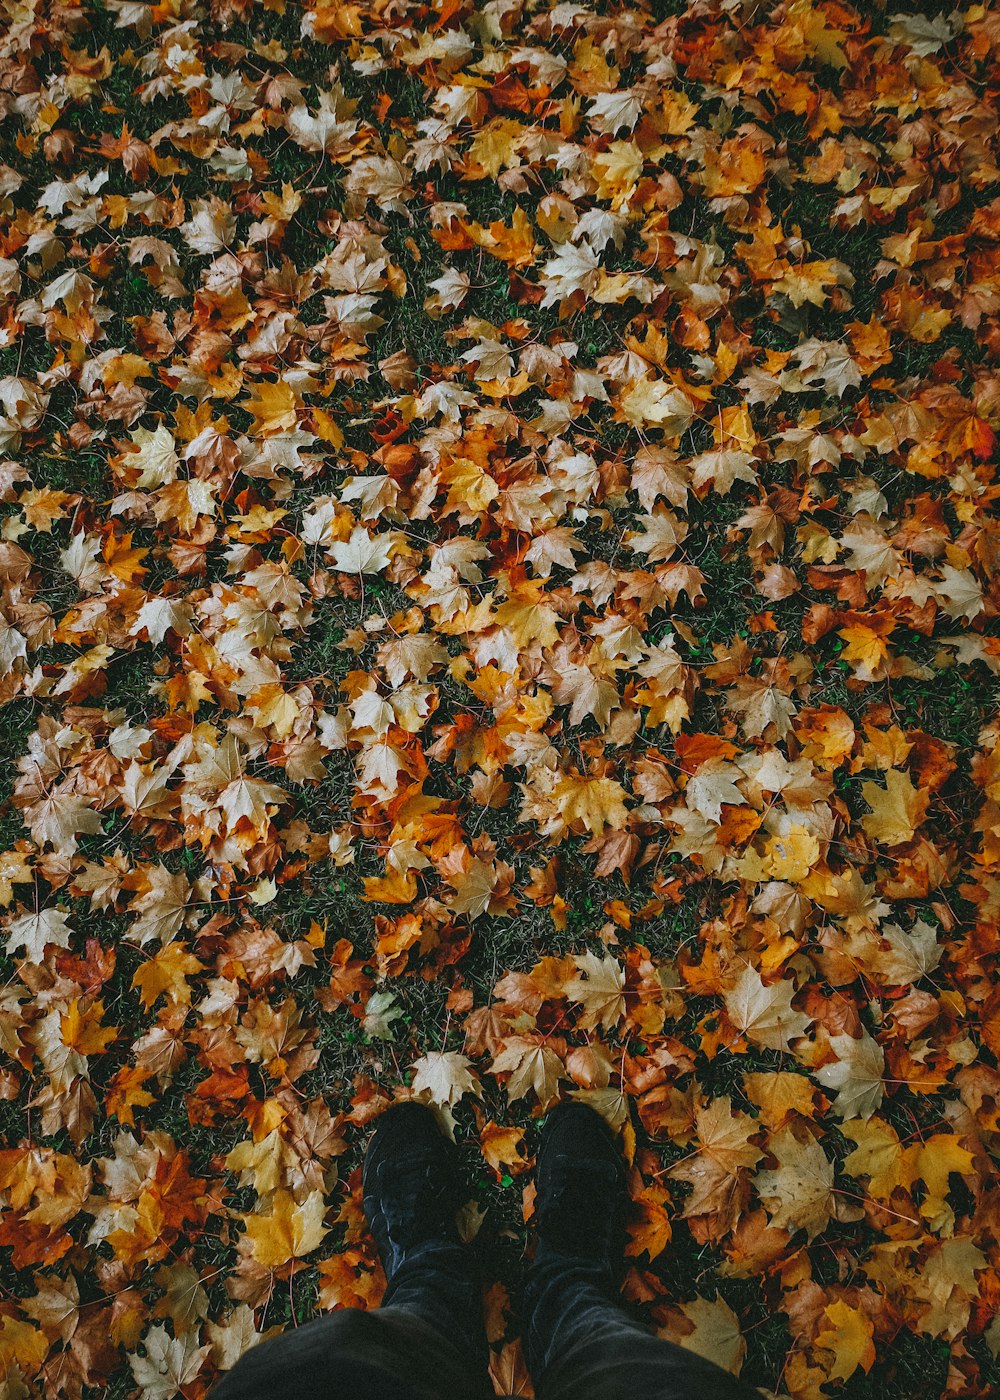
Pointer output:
x,y
411,1190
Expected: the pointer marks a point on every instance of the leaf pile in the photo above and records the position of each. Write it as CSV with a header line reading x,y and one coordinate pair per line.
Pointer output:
x,y
499,600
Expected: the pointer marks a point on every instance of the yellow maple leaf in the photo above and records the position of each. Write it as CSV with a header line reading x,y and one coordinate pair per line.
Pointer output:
x,y
528,616
471,488
657,403
503,1148
516,245
878,1156
531,1065
596,803
866,649
786,856
849,1338
493,148
81,1029
273,708
125,562
764,1013
715,1333
798,1192
273,407
21,1345
933,1162
125,1093
780,1093
287,1230
617,171
897,809
126,369
397,887
167,973
600,990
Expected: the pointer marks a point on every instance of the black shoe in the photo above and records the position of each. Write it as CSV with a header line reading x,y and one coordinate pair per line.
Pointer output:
x,y
409,1185
581,1198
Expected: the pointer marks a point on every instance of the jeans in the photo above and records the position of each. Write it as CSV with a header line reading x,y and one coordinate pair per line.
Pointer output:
x,y
426,1342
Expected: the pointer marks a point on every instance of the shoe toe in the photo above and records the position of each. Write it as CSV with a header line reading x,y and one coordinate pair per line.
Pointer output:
x,y
405,1132
573,1129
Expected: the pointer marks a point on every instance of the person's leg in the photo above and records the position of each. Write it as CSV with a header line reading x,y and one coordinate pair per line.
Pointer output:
x,y
427,1340
581,1343
352,1355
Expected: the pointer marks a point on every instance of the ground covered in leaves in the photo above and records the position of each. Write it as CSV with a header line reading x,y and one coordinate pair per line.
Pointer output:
x,y
499,600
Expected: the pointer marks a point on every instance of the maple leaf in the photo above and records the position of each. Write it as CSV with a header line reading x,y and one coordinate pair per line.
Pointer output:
x,y
724,1135
381,1010
600,991
126,1094
212,226
663,533
34,931
157,616
715,1333
449,291
21,1344
575,268
473,889
169,1363
849,1337
866,648
330,129
58,819
363,553
379,767
166,974
124,561
14,870
503,1148
585,693
780,1094
902,957
509,1372
657,472
287,1229
765,1014
80,1028
445,1076
654,403
897,809
798,1192
234,1335
856,1075
611,1103
611,112
162,906
144,792
156,457
822,362
595,803
492,359
718,1168
959,593
531,1065
252,800
711,786
878,1156
13,648
722,468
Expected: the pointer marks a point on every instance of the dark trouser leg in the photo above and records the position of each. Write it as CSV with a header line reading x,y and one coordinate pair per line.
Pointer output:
x,y
425,1343
583,1345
